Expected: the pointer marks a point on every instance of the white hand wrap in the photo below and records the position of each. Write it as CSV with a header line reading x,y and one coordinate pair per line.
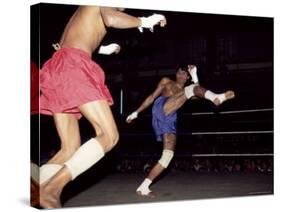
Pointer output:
x,y
193,73
132,116
150,22
109,49
189,91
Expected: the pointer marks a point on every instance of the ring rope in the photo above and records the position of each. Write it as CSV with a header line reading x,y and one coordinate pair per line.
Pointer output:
x,y
232,155
231,112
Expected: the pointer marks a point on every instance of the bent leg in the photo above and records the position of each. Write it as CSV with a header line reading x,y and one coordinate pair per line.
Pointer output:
x,y
169,144
99,115
160,166
68,131
201,92
217,99
174,102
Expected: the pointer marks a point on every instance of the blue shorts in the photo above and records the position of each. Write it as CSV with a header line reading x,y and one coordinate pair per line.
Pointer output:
x,y
163,123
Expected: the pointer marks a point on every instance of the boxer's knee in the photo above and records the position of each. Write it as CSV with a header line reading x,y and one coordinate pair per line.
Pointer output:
x,y
167,156
199,91
109,139
114,137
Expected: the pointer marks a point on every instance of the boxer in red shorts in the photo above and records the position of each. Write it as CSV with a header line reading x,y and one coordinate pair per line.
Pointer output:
x,y
72,85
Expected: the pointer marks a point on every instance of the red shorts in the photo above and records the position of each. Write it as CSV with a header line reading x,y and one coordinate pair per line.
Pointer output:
x,y
70,79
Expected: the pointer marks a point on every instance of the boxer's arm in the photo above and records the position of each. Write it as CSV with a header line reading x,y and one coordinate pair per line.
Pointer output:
x,y
112,17
150,99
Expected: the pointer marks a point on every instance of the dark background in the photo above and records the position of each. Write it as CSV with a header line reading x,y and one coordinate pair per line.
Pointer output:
x,y
231,52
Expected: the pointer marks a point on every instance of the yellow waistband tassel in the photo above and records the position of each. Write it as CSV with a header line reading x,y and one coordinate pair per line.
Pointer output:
x,y
56,46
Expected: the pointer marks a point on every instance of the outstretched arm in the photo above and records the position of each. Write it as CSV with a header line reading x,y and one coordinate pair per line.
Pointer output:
x,y
149,100
112,17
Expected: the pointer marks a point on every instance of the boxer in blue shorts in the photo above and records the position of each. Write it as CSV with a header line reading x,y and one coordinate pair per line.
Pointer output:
x,y
161,122
168,97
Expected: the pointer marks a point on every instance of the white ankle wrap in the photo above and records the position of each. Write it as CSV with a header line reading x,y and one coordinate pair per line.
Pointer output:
x,y
210,95
34,172
47,171
85,157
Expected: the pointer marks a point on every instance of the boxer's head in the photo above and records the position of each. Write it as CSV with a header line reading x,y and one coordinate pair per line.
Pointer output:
x,y
182,75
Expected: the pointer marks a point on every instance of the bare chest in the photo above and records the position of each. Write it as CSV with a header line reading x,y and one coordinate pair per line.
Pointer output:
x,y
171,89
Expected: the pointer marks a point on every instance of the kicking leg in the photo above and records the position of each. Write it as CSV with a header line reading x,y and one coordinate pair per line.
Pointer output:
x,y
199,91
162,164
217,99
99,115
174,102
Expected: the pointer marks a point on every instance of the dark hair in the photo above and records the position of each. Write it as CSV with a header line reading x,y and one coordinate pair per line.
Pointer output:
x,y
181,66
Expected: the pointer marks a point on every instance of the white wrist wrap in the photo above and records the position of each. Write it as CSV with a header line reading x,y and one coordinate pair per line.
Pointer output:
x,y
193,73
109,49
150,21
132,116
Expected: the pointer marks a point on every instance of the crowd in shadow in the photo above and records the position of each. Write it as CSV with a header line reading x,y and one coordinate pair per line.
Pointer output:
x,y
200,164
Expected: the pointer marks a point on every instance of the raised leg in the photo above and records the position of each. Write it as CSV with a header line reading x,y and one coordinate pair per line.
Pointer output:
x,y
217,99
174,102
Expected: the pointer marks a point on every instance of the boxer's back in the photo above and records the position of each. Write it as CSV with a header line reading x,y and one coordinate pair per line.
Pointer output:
x,y
85,29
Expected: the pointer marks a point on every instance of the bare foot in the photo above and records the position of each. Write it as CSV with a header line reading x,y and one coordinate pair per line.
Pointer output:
x,y
150,194
217,102
49,199
228,95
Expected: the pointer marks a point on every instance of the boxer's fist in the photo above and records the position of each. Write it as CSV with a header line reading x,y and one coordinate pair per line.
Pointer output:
x,y
132,116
